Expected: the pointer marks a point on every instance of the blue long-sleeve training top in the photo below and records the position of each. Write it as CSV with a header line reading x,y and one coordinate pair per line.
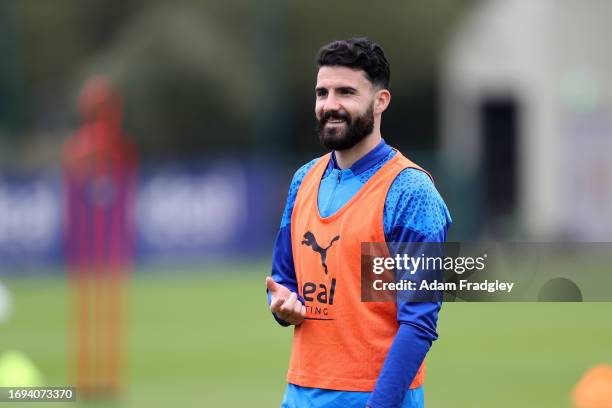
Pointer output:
x,y
414,212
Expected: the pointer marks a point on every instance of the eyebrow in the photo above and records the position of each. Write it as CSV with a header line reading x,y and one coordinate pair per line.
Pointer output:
x,y
340,88
347,88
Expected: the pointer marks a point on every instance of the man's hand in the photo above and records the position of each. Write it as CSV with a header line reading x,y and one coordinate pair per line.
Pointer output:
x,y
285,304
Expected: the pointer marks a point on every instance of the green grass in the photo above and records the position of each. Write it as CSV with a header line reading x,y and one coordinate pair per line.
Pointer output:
x,y
206,339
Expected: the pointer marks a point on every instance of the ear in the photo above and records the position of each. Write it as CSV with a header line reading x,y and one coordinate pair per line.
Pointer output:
x,y
382,99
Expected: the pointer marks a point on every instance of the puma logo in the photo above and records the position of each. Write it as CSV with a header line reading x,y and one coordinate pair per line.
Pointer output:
x,y
311,241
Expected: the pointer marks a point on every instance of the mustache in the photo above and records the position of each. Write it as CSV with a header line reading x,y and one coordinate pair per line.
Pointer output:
x,y
335,115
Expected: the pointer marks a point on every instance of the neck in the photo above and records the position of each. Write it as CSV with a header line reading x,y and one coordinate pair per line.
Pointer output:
x,y
346,158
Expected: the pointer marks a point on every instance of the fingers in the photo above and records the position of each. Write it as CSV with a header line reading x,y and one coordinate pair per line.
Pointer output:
x,y
299,312
297,308
287,307
271,285
276,289
286,310
275,305
291,310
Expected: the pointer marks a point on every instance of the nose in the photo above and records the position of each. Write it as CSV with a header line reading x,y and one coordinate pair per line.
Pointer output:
x,y
331,103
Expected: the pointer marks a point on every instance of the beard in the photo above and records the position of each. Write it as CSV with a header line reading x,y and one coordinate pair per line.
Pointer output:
x,y
356,129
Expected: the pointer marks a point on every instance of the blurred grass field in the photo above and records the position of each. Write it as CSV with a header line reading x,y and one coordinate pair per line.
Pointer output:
x,y
204,338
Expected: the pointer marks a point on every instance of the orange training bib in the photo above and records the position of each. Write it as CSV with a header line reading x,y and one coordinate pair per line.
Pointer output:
x,y
343,342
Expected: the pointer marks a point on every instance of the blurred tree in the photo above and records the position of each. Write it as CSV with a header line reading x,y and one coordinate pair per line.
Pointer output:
x,y
187,81
10,100
212,75
272,119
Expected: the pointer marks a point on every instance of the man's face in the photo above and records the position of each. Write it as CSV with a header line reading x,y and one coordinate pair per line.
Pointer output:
x,y
344,107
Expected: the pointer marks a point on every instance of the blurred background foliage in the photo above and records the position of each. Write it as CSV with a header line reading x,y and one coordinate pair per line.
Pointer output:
x,y
207,76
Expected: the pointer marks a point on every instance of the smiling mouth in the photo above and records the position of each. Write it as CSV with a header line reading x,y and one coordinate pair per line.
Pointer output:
x,y
335,121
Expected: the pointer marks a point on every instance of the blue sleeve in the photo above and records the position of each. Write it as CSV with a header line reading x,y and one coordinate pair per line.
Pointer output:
x,y
414,212
283,270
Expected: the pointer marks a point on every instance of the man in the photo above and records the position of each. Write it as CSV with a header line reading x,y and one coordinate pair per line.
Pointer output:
x,y
348,353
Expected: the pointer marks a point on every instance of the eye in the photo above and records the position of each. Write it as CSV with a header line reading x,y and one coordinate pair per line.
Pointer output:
x,y
346,91
320,92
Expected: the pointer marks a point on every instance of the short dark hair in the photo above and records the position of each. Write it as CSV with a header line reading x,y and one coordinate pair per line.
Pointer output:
x,y
357,53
